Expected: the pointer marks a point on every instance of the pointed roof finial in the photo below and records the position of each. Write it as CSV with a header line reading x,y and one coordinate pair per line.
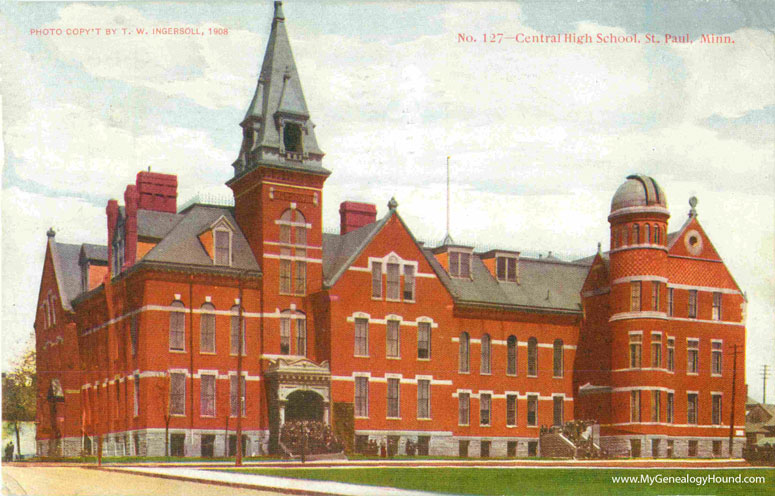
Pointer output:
x,y
51,233
693,205
278,11
392,204
599,248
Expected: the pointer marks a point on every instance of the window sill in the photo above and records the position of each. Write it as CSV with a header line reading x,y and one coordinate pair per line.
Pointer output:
x,y
376,298
715,375
464,372
558,377
693,373
244,354
424,419
178,415
207,353
410,301
393,358
392,418
356,417
393,300
361,356
423,359
234,416
511,426
207,416
177,351
532,376
464,425
485,373
485,425
510,375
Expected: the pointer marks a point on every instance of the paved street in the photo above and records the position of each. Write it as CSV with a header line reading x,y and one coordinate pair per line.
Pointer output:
x,y
72,481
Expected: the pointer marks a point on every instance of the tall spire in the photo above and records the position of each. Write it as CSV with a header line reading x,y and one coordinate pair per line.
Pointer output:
x,y
277,130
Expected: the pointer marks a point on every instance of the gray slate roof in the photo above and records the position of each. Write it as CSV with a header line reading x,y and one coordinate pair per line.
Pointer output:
x,y
94,253
152,224
67,270
181,246
545,284
339,252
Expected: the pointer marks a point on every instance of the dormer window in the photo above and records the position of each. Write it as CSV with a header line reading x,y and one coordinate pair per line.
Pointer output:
x,y
506,268
459,264
222,247
292,137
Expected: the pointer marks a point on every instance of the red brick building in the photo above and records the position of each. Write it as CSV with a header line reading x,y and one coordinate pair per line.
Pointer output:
x,y
458,351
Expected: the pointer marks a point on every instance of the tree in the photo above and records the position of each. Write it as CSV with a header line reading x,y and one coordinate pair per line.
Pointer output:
x,y
19,394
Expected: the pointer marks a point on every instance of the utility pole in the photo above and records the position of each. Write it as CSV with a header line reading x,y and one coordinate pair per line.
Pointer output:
x,y
240,337
732,410
765,374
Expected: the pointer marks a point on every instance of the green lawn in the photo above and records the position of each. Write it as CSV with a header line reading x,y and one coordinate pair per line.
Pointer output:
x,y
530,481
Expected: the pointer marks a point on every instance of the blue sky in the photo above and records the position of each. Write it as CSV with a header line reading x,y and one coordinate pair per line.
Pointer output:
x,y
540,135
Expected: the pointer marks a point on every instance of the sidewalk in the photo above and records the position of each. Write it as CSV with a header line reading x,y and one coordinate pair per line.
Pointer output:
x,y
288,486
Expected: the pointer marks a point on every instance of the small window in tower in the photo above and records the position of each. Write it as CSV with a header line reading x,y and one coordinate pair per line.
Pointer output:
x,y
292,137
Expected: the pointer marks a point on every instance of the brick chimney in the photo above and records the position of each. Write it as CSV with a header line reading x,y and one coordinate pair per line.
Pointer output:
x,y
130,225
112,212
354,215
157,192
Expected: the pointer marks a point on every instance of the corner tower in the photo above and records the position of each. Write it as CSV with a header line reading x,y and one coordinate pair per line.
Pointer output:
x,y
638,322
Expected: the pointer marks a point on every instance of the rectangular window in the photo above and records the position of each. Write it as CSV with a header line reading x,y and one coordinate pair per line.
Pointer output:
x,y
361,337
423,399
459,264
655,288
393,410
393,339
692,303
463,408
376,280
506,269
656,350
693,448
177,393
133,333
423,340
693,356
484,449
234,394
532,410
222,248
635,406
716,417
409,282
300,287
393,281
558,410
716,347
485,406
691,408
636,341
671,354
301,337
511,410
670,301
137,395
207,393
716,306
285,336
285,276
635,287
361,396
670,407
656,405
558,365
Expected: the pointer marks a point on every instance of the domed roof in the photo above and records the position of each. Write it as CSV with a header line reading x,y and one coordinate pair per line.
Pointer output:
x,y
638,191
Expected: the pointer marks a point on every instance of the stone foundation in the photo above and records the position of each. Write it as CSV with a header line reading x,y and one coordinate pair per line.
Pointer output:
x,y
447,445
682,447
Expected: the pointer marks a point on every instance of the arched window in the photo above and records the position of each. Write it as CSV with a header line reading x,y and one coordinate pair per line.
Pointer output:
x,y
207,329
624,237
635,234
646,233
293,266
559,367
511,355
235,332
178,326
485,367
532,357
463,356
656,234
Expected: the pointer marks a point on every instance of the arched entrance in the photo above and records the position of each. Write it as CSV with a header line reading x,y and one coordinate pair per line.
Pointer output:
x,y
304,405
